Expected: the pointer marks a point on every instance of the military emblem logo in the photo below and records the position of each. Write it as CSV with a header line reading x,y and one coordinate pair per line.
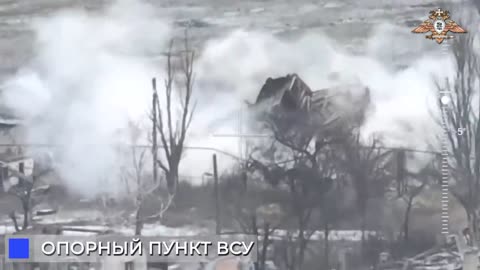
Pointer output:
x,y
439,24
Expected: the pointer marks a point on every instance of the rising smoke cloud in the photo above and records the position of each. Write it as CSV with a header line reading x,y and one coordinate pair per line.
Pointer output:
x,y
91,73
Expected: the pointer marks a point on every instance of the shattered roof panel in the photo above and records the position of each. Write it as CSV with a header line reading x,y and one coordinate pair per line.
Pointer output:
x,y
332,104
8,118
288,89
8,122
273,88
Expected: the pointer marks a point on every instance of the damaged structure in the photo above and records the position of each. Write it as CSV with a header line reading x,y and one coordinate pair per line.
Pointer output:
x,y
291,94
13,161
287,94
11,157
7,120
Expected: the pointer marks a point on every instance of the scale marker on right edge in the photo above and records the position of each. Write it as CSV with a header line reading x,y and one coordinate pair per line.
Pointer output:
x,y
445,170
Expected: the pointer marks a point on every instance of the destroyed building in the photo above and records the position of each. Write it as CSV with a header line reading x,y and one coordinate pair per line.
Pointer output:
x,y
12,129
291,94
338,104
10,160
11,156
7,121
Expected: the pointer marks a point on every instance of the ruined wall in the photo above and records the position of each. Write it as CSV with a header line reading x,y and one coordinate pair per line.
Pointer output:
x,y
22,165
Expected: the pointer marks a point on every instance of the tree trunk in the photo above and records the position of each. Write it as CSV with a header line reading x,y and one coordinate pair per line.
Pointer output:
x,y
326,230
363,228
254,230
172,180
26,210
14,220
302,245
265,244
475,227
472,224
138,222
406,220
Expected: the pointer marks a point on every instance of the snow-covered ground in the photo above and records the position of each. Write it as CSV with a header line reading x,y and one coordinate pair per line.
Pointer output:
x,y
149,230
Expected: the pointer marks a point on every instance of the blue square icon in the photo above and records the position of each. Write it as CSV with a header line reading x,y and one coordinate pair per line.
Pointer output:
x,y
18,248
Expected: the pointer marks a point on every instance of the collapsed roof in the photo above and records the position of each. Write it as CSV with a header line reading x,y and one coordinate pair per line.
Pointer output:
x,y
8,119
291,93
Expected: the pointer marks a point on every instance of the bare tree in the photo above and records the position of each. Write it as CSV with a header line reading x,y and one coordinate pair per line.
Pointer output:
x,y
310,136
136,173
410,187
366,167
255,209
306,178
142,186
304,190
169,127
331,211
462,121
169,130
28,191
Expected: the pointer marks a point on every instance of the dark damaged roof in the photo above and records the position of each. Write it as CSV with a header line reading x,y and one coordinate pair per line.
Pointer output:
x,y
289,91
292,93
8,119
8,122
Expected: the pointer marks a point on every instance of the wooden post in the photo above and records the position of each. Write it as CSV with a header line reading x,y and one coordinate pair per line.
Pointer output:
x,y
216,195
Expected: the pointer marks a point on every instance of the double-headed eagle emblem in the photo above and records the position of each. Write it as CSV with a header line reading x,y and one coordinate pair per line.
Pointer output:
x,y
439,24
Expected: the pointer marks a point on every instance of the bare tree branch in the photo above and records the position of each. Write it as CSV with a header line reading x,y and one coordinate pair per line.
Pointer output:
x,y
462,115
173,135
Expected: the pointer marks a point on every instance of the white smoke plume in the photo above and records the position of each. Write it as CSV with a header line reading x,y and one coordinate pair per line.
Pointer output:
x,y
88,76
91,73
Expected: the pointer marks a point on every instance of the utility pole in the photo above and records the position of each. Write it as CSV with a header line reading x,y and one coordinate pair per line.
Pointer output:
x,y
154,130
216,195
